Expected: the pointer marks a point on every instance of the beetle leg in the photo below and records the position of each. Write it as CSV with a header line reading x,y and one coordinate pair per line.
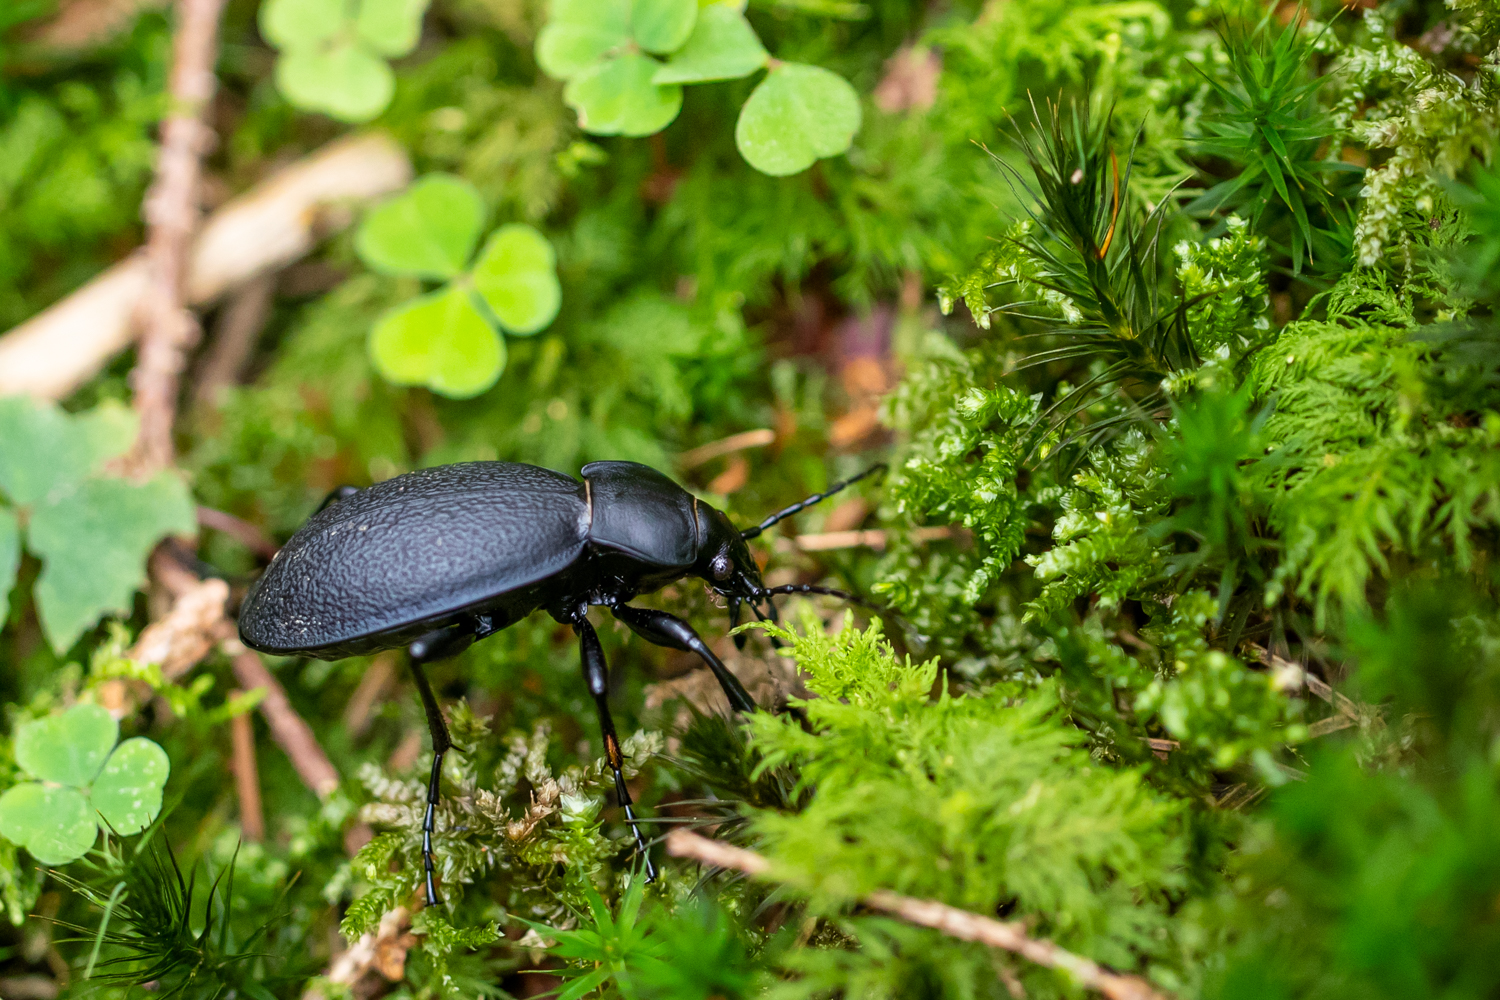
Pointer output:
x,y
437,645
596,673
668,630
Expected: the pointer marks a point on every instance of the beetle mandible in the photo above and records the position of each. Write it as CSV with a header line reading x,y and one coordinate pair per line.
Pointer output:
x,y
436,559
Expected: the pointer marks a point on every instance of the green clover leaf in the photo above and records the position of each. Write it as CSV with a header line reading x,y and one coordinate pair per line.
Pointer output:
x,y
617,97
581,33
722,46
441,341
77,779
343,81
127,792
67,749
333,53
661,26
517,277
429,231
796,116
91,531
450,340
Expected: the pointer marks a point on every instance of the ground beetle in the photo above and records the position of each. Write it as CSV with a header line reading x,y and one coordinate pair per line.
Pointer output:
x,y
438,558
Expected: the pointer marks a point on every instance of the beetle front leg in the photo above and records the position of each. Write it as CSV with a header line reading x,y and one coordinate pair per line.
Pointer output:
x,y
668,630
438,645
596,673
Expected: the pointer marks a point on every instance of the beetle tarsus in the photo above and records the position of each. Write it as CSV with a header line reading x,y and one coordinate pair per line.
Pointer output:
x,y
596,675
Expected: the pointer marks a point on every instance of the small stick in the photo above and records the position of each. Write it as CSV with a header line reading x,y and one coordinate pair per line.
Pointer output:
x,y
290,732
168,329
873,538
372,688
246,776
950,920
727,446
242,531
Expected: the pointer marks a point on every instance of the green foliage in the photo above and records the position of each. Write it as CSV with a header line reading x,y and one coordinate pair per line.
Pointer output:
x,y
78,772
333,54
967,785
91,530
450,340
796,116
1271,129
1190,534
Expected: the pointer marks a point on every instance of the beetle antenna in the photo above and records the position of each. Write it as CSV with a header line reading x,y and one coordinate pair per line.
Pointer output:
x,y
784,513
808,588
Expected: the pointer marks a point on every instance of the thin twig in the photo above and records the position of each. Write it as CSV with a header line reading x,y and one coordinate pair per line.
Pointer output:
x,y
726,446
246,776
288,729
168,329
874,538
950,920
235,333
242,531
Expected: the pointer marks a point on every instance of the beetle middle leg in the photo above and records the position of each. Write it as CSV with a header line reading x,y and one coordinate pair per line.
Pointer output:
x,y
438,645
596,673
668,630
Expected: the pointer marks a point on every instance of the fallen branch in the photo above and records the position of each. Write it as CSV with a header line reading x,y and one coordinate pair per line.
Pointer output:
x,y
168,329
291,733
273,224
950,920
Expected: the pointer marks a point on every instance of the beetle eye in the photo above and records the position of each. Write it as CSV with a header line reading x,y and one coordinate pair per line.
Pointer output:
x,y
721,567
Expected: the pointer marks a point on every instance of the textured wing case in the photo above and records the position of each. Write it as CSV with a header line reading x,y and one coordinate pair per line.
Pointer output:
x,y
415,548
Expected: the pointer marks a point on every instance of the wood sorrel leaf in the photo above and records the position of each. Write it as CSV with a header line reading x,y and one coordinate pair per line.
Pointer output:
x,y
796,116
343,80
54,824
127,792
617,97
661,26
440,341
429,231
722,46
580,34
517,277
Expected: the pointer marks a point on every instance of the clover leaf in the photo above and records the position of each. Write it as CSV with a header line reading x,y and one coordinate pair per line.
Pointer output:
x,y
92,531
796,116
76,781
450,340
606,52
333,52
722,46
429,232
599,47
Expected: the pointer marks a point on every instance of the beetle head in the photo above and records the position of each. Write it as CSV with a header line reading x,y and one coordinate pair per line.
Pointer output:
x,y
725,562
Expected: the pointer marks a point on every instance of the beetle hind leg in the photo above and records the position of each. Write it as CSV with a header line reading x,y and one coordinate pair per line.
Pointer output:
x,y
433,646
596,673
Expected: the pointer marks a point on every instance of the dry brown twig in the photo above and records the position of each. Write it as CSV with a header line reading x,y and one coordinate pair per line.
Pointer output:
x,y
950,920
273,224
168,328
288,729
382,951
246,776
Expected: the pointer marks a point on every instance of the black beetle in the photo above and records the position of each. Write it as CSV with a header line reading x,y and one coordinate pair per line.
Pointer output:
x,y
435,559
